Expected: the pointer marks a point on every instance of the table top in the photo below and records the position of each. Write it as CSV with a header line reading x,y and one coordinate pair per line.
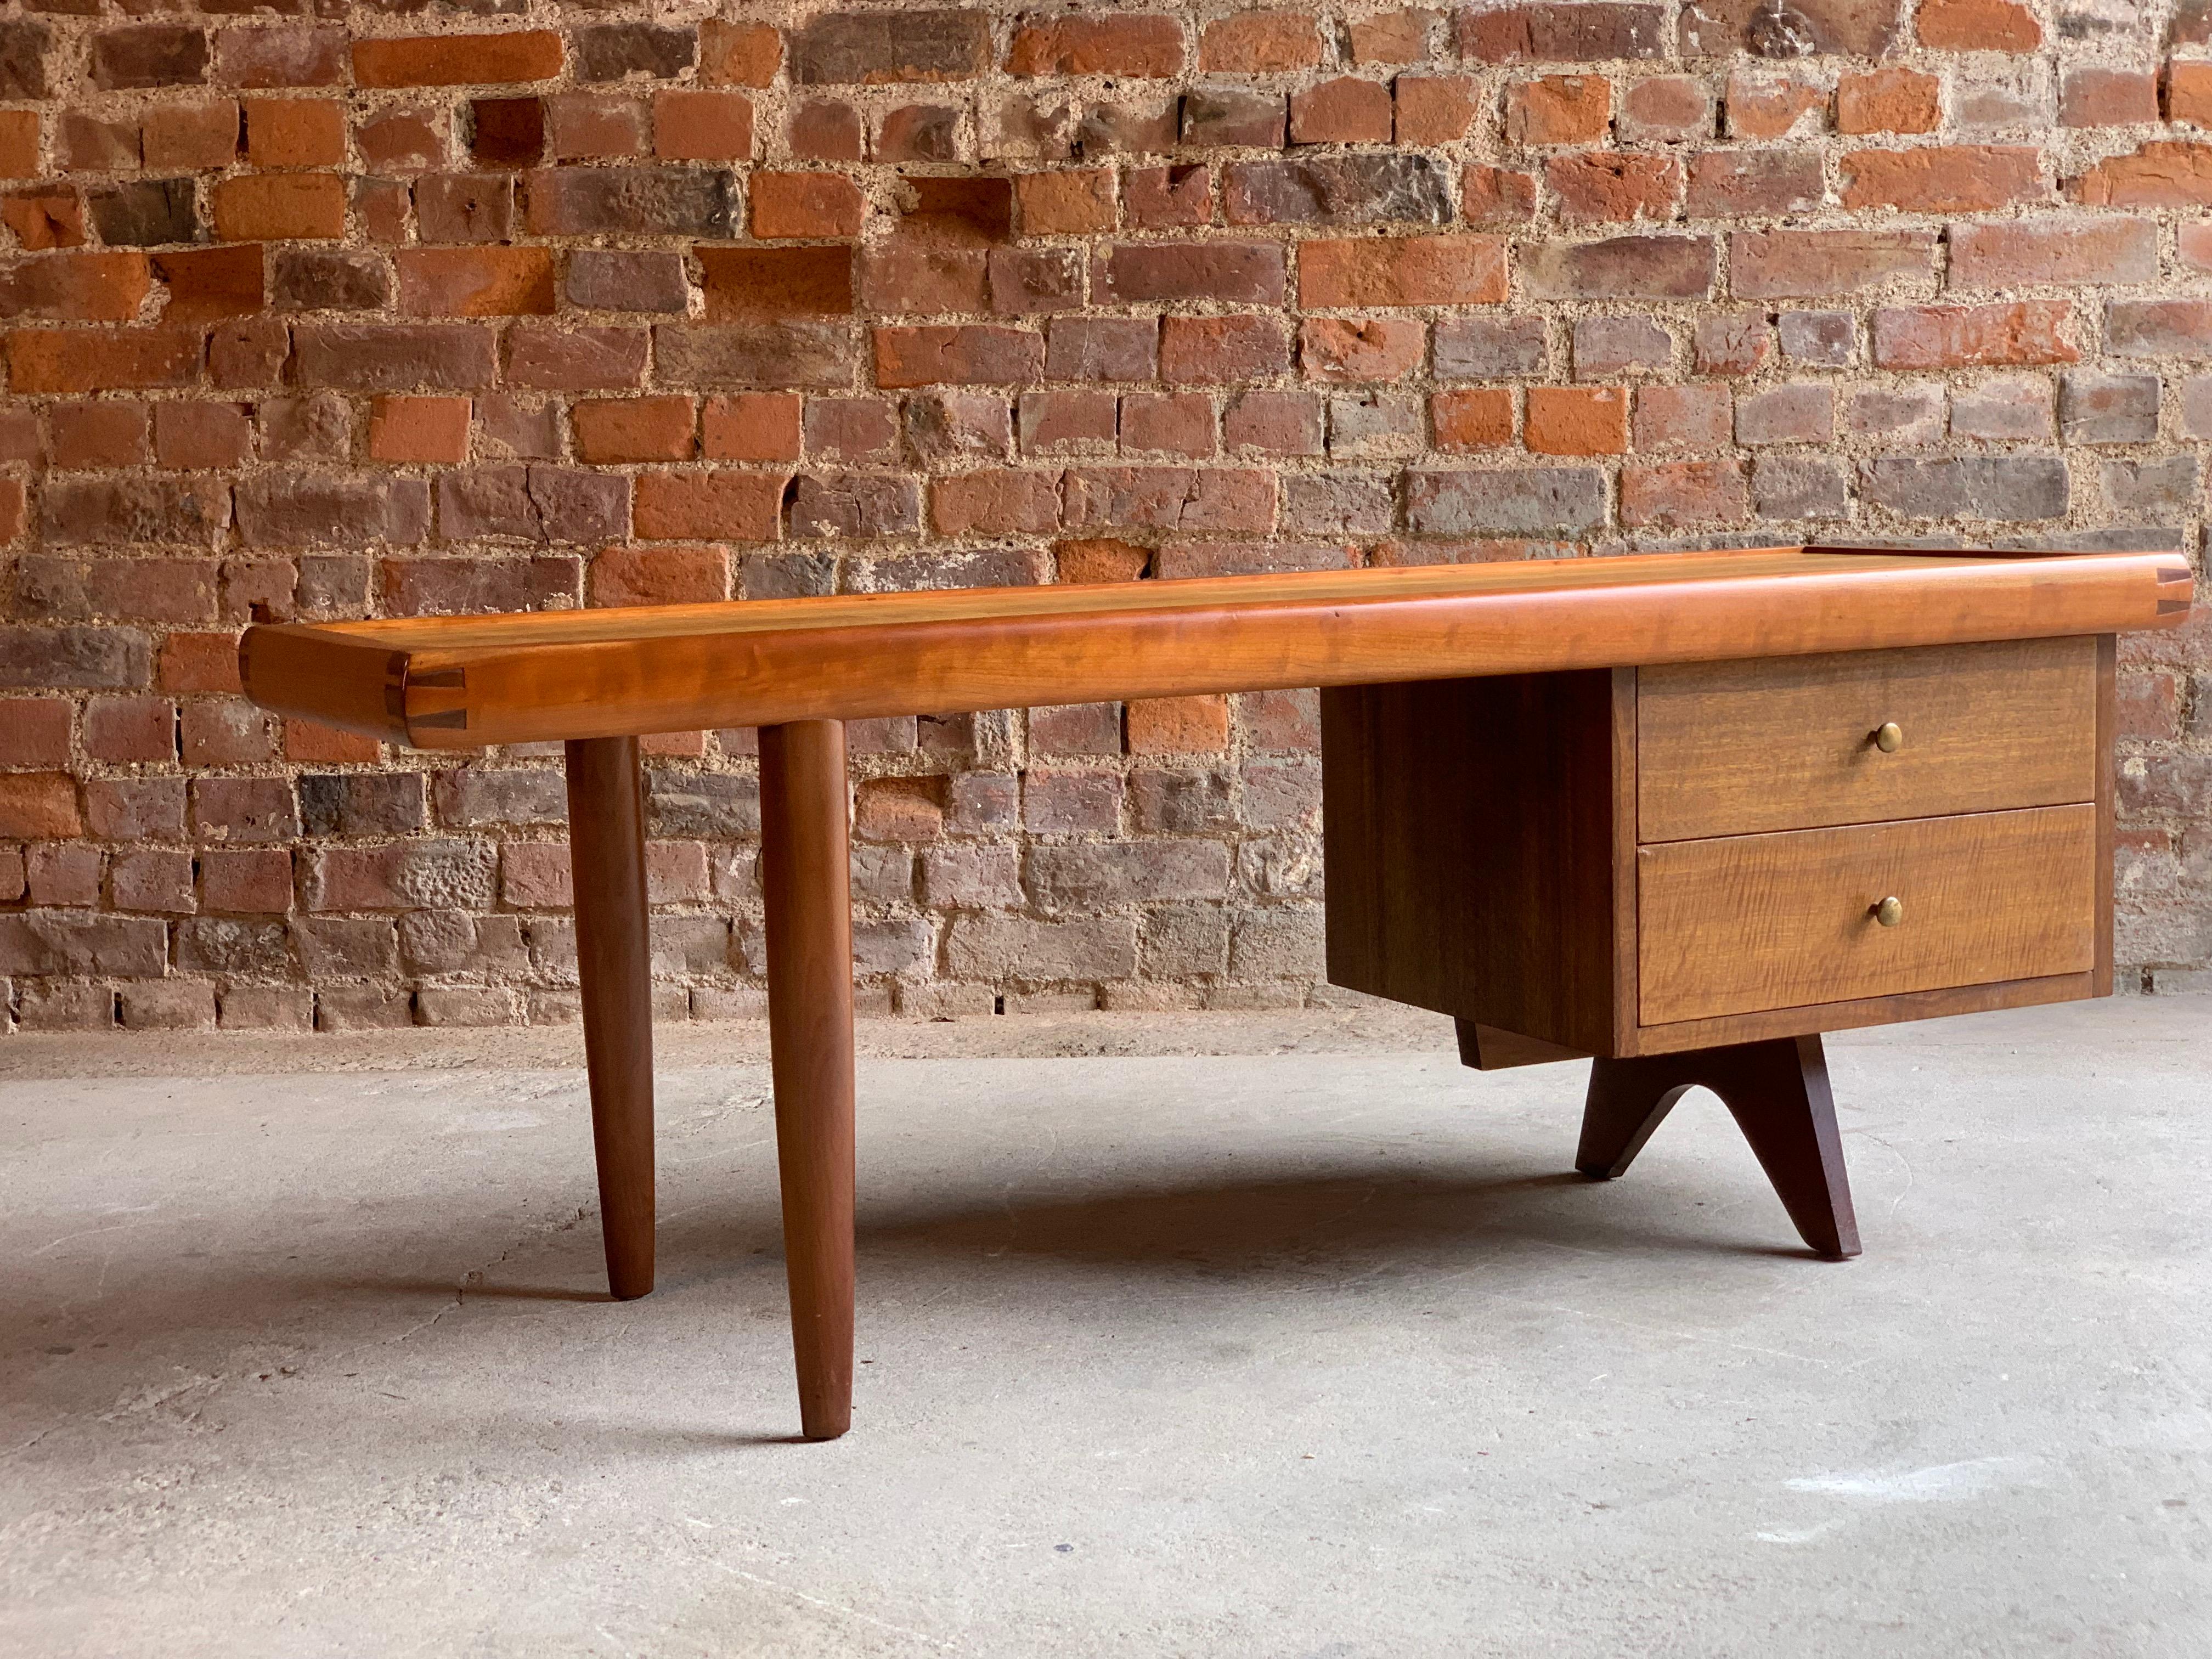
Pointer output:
x,y
465,682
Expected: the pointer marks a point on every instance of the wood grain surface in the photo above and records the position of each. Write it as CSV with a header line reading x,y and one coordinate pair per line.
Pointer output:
x,y
465,682
1749,922
1468,831
606,842
805,885
1737,748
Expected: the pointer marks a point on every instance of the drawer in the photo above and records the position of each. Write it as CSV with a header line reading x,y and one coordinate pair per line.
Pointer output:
x,y
1789,742
1746,923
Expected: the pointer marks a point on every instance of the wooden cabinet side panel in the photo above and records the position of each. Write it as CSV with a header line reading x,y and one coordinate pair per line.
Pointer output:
x,y
2108,785
1469,834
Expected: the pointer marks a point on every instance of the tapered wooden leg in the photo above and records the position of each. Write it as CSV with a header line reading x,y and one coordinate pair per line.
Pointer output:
x,y
1778,1092
606,850
805,875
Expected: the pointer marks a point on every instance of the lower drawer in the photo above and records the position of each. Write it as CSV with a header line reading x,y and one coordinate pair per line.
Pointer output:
x,y
1740,924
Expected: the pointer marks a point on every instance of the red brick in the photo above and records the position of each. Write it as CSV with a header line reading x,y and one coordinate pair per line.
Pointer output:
x,y
246,880
659,575
995,503
295,132
1570,32
1178,423
1178,726
84,288
2108,98
1235,273
751,426
702,126
1069,202
1801,414
550,359
1772,264
404,141
1391,37
805,205
1068,422
1682,416
40,806
109,433
1577,420
1199,499
957,356
824,131
225,731
2160,173
310,740
149,55
1495,196
1210,350
208,284
130,729
457,60
919,132
50,216
1352,349
690,507
286,56
1104,561
427,429
1473,420
1434,109
203,133
733,54
1666,109
1559,109
1889,100
852,428
586,127
1614,186
1274,423
2195,247
19,144
35,731
1943,179
1141,47
2188,93
1759,107
634,428
747,282
1960,336
1348,110
1260,43
476,281
201,434
276,207
1678,493
1408,270
1167,198
1978,26
1765,182
2009,252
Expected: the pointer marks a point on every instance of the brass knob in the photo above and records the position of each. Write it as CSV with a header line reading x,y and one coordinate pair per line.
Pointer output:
x,y
1889,736
1890,911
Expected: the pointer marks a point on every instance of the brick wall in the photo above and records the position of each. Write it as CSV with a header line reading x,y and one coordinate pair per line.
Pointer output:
x,y
321,311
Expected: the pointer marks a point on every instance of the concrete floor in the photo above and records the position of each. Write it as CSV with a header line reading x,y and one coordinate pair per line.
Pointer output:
x,y
1313,1349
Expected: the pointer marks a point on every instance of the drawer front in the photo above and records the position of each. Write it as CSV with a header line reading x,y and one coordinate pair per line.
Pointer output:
x,y
1748,923
1787,743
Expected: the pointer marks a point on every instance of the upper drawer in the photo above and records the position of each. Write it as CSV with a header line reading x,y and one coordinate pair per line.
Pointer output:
x,y
1789,742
